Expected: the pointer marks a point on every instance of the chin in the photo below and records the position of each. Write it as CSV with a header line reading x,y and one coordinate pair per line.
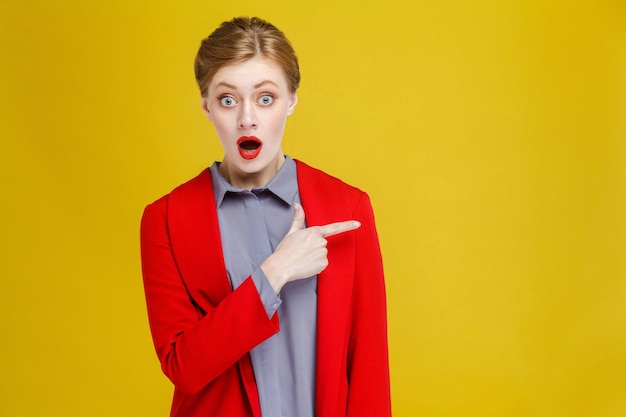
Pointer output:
x,y
250,166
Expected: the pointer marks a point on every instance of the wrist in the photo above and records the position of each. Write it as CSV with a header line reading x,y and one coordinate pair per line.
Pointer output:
x,y
274,274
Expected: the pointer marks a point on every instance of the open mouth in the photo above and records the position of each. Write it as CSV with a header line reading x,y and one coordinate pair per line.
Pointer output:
x,y
249,147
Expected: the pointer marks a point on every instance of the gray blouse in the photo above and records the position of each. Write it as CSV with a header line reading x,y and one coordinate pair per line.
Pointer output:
x,y
252,223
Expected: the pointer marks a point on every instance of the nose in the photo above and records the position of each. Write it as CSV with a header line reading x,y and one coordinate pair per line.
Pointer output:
x,y
247,117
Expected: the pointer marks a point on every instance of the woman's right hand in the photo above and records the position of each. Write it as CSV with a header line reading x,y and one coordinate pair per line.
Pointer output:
x,y
302,253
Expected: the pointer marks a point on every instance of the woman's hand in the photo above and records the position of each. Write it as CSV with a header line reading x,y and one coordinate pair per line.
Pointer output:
x,y
302,253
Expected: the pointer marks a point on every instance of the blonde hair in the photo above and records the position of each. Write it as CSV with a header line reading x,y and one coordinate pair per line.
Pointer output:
x,y
240,39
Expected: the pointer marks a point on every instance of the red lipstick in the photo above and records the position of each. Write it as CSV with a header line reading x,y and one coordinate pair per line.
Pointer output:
x,y
249,146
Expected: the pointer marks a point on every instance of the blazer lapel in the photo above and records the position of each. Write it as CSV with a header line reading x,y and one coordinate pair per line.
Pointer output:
x,y
195,236
334,284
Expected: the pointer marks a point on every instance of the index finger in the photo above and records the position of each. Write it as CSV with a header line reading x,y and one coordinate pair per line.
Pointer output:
x,y
339,227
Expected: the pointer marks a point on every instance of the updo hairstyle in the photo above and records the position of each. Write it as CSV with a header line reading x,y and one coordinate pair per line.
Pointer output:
x,y
240,39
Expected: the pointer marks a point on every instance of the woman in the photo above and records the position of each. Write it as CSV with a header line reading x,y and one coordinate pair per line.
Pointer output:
x,y
252,311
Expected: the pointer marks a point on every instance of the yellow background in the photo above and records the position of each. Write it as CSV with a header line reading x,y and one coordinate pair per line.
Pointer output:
x,y
489,134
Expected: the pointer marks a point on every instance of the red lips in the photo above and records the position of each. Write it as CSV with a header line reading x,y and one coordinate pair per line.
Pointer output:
x,y
249,146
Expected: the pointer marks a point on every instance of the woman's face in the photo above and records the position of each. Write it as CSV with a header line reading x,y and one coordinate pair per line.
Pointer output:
x,y
248,104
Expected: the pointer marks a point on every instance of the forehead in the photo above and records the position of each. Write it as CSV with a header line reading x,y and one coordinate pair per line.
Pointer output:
x,y
249,73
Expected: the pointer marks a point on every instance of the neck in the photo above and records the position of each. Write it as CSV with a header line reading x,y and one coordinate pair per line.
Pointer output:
x,y
250,180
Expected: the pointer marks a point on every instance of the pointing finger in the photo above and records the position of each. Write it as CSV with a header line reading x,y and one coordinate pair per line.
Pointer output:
x,y
339,227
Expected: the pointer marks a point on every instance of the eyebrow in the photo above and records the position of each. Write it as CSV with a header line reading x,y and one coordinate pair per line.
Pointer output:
x,y
233,87
265,82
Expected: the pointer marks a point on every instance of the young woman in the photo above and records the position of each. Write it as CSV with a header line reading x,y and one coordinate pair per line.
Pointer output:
x,y
263,276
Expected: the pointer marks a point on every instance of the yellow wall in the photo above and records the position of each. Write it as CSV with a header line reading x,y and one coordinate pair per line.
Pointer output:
x,y
490,135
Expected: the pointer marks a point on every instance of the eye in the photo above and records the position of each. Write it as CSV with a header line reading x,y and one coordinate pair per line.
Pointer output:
x,y
266,99
227,101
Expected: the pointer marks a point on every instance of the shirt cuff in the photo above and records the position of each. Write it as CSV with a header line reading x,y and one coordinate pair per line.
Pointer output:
x,y
270,300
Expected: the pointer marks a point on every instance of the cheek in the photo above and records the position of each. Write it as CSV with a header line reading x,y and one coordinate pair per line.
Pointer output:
x,y
223,132
278,121
221,123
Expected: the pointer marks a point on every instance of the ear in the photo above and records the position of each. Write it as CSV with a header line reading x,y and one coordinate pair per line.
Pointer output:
x,y
293,100
205,107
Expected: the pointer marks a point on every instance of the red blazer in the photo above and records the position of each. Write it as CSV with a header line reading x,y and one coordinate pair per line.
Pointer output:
x,y
203,330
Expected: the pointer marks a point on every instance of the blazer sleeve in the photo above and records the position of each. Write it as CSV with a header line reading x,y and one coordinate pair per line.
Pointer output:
x,y
368,362
195,345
